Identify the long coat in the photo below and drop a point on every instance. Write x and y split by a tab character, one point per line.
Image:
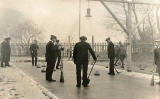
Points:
111	50
80	52
51	51
122	52
157	58
33	49
5	51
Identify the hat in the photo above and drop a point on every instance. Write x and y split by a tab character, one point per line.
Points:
83	38
108	38
8	38
157	40
53	37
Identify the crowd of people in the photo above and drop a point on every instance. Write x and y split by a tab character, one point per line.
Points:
80	56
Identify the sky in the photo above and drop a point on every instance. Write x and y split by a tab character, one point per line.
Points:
60	18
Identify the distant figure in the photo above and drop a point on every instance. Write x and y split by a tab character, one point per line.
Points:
111	56
80	57
33	49
117	54
51	55
5	52
157	58
58	54
70	53
122	54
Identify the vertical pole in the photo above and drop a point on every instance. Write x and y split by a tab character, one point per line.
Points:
69	39
129	28
79	19
93	42
92	39
69	43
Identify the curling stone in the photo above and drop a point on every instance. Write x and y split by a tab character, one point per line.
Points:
43	70
97	73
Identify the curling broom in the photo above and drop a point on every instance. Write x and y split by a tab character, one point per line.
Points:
61	68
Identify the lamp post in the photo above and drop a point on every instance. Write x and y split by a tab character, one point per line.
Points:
79	32
129	28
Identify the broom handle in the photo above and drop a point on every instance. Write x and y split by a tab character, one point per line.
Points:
91	69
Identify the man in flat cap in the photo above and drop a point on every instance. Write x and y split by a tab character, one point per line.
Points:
51	55
5	52
80	57
111	56
34	49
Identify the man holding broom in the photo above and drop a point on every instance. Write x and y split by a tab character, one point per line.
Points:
157	57
80	57
51	56
111	56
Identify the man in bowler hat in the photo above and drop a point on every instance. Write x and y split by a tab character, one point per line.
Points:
111	56
51	55
5	52
80	57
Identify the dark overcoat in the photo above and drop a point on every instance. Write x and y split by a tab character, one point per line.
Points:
5	51
51	51
111	50
80	52
33	49
157	58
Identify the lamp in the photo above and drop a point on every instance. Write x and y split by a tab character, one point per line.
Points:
88	12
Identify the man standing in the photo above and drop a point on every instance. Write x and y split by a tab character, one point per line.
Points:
80	57
122	54
51	55
157	57
117	52
58	55
5	52
33	49
111	56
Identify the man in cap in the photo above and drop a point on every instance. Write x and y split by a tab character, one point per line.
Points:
5	52
51	55
111	56
80	57
157	56
122	54
33	49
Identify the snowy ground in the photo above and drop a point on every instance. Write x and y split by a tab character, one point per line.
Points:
13	85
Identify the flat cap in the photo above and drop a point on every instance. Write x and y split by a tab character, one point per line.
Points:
53	37
83	38
108	38
8	38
